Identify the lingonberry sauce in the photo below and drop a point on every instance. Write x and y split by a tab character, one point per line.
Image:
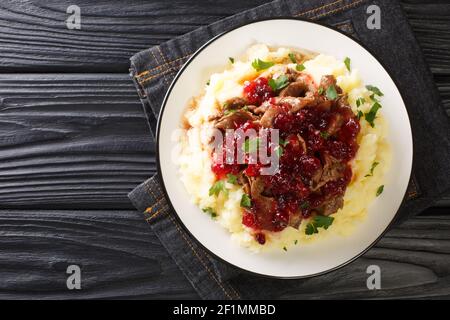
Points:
258	91
310	135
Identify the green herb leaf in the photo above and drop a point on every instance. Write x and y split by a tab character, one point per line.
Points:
324	134
231	59
279	83
259	64
284	142
320	91
250	145
246	202
231	178
217	187
375	90
300	67
360	101
292	57
331	93
318	222
310	229
229	111
347	63
371	169
371	115
360	114
208	83
380	190
323	221
296	241
279	151
284	248
210	211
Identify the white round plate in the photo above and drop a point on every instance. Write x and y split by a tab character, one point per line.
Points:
321	256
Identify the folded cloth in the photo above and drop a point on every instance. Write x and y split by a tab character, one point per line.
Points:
394	45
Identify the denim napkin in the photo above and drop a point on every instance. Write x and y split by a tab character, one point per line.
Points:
152	71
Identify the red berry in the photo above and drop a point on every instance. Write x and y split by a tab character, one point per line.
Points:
261	238
248	219
258	91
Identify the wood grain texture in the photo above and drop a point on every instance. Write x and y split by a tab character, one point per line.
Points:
70	140
73	137
34	36
112	31
121	258
118	255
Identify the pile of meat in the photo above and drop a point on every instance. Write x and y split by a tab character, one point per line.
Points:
318	130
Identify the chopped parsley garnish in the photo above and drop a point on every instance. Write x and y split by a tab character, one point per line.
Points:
231	178
371	169
380	190
375	90
231	59
371	115
207	83
217	187
259	64
360	114
279	151
229	111
300	67
250	145
360	101
296	241
292	57
304	205
246	202
320	91
318	222
331	93
324	134
279	83
210	211
347	63
284	248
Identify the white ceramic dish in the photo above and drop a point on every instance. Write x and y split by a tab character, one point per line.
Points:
321	256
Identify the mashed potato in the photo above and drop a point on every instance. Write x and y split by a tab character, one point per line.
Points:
195	162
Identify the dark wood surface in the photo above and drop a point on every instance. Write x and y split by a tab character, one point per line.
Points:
74	142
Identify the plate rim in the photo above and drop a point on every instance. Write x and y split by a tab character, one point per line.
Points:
161	179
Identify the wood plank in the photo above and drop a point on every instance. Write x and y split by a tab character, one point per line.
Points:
34	36
118	255
71	141
121	258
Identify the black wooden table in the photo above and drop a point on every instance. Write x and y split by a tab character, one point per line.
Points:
74	142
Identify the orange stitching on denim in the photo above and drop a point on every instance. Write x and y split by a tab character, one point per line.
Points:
154	215
317	9
343	25
150	209
350	5
142	74
162	66
154	56
165	61
188	242
171	69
